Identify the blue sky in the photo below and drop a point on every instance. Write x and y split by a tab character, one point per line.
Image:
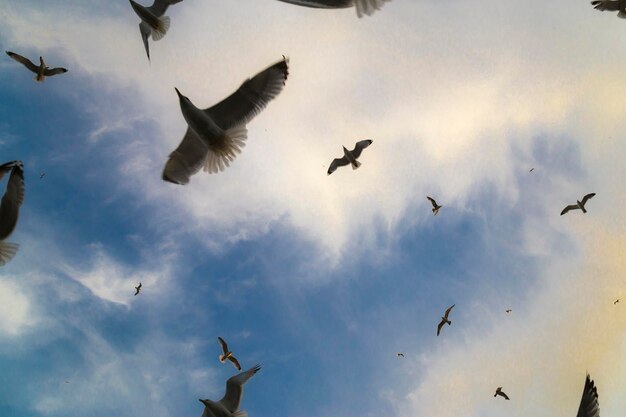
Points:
321	279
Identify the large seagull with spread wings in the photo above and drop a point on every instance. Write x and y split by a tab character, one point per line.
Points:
611	6
229	405
579	204
42	71
10	208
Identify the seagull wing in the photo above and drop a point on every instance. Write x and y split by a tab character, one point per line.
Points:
54	71
448	311
589	406
322	4
368	6
441	323
606	5
251	97
234	388
235	362
432	201
587	197
24	61
6	168
568	208
159	7
145	31
506	397
337	162
223	345
358	148
11	201
186	160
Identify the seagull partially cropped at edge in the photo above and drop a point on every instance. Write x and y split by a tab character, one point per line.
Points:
589	406
501	393
227	354
9	207
228	406
363	7
216	135
41	70
436	206
153	22
444	319
349	157
611	6
579	204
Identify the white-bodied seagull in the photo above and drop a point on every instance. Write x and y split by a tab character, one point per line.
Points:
228	406
41	70
579	204
349	157
153	22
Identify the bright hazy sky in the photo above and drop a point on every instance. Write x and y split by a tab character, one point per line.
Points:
322	279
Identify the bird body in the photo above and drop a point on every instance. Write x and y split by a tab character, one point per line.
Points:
611	6
349	157
501	393
227	354
41	71
217	134
579	204
153	23
9	207
436	206
363	7
228	406
444	319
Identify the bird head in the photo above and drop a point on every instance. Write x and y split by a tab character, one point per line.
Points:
183	100
207	403
43	64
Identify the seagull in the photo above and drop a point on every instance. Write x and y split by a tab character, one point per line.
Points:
531	170
444	319
509	310
349	157
589	406
216	135
611	6
501	393
228	406
41	70
578	205
138	288
400	354
362	6
228	354
153	22
436	206
43	174
616	301
9	208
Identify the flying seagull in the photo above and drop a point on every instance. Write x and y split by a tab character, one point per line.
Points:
9	207
400	354
531	170
578	205
508	310
349	157
589	406
153	22
228	354
228	406
616	301
43	174
444	319
362	6
138	288
41	70
611	6
501	393
436	206
216	135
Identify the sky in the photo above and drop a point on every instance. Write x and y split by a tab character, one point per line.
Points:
321	279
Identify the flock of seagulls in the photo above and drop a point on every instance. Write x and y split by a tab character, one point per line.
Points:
213	139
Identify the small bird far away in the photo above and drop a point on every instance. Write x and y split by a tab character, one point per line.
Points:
501	393
228	354
41	70
400	354
508	310
436	206
138	288
579	204
349	157
616	301
531	170
444	319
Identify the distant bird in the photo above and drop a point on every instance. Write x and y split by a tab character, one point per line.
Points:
501	393
138	288
43	174
349	157
509	310
41	70
436	206
531	170
9	207
589	406
228	406
153	22
611	6
616	301
444	319
216	135
228	354
362	6
400	354
578	205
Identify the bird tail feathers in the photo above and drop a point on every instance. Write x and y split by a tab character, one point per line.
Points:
7	251
39	78
234	140
222	358
161	29
356	164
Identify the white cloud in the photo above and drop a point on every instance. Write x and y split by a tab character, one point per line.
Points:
15	309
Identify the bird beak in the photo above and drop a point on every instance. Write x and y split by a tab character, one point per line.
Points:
202	401
177	92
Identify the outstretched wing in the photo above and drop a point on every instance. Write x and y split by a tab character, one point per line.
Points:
587	197
251	97
432	201
223	345
589	406
568	208
322	4
506	397
24	61
186	160
234	388
235	362
358	148
441	323
337	162
11	201
448	311
368	6
54	71
6	167
159	7
606	5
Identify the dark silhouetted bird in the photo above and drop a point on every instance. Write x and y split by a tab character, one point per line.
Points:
611	6
138	288
444	319
10	207
41	70
579	204
349	157
501	393
616	301
228	354
400	354
436	206
589	406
